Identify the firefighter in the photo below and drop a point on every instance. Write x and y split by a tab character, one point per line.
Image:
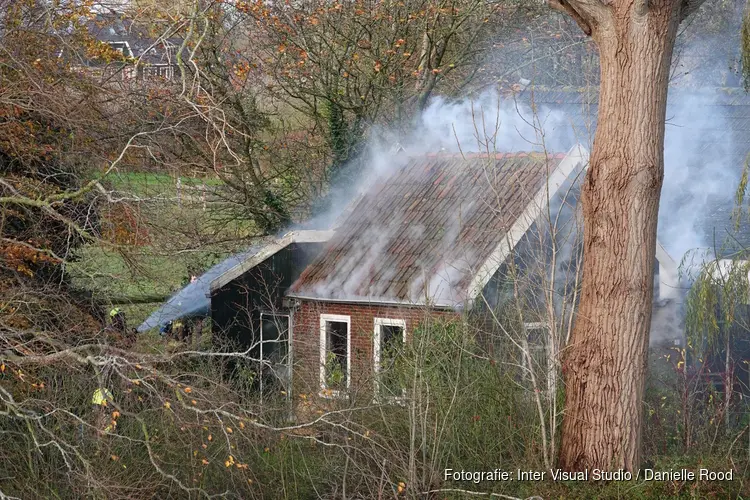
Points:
178	329
187	332
101	400
166	330
117	318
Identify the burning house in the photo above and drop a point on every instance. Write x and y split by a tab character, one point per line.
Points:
433	234
428	239
425	241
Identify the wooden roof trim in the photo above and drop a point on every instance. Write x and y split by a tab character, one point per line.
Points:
302	236
577	156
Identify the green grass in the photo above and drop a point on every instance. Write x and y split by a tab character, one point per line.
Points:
182	239
149	183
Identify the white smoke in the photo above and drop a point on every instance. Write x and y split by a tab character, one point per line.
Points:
487	124
700	174
696	177
490	124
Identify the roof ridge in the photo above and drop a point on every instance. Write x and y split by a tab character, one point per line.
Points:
496	155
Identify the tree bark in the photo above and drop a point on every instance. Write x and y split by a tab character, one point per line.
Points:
604	366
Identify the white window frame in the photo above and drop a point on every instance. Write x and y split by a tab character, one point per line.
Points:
121	50
379	323
334	318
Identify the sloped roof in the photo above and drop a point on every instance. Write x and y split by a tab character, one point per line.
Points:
707	143
193	299
274	245
141	39
423	232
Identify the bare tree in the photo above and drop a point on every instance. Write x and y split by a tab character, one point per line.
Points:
346	66
605	365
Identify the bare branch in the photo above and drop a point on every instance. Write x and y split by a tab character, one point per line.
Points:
566	8
689	7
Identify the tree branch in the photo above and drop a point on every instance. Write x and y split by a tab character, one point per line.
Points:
564	7
688	7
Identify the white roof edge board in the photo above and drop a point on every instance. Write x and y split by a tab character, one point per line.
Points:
301	236
576	156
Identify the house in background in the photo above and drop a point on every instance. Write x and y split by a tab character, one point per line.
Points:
150	55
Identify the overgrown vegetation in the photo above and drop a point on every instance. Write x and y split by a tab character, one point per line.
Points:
182	432
114	193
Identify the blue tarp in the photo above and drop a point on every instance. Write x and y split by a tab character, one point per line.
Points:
193	300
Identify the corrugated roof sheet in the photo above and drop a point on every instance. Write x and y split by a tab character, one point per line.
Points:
193	299
425	228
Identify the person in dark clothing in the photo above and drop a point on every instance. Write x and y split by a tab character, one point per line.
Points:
186	335
180	330
166	330
117	318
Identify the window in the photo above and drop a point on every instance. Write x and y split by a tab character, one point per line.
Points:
335	353
121	47
128	73
389	339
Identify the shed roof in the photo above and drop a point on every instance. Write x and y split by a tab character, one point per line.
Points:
193	299
249	260
424	233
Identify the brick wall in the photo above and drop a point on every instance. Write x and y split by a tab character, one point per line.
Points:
306	339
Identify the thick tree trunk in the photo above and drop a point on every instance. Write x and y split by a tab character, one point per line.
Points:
605	364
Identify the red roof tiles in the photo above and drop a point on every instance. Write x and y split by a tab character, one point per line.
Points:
426	229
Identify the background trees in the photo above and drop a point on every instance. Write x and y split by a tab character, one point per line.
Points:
114	192
346	67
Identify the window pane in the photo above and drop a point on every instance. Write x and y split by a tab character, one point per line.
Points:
336	354
391	346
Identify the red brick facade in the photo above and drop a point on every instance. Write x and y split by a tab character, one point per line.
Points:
306	339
